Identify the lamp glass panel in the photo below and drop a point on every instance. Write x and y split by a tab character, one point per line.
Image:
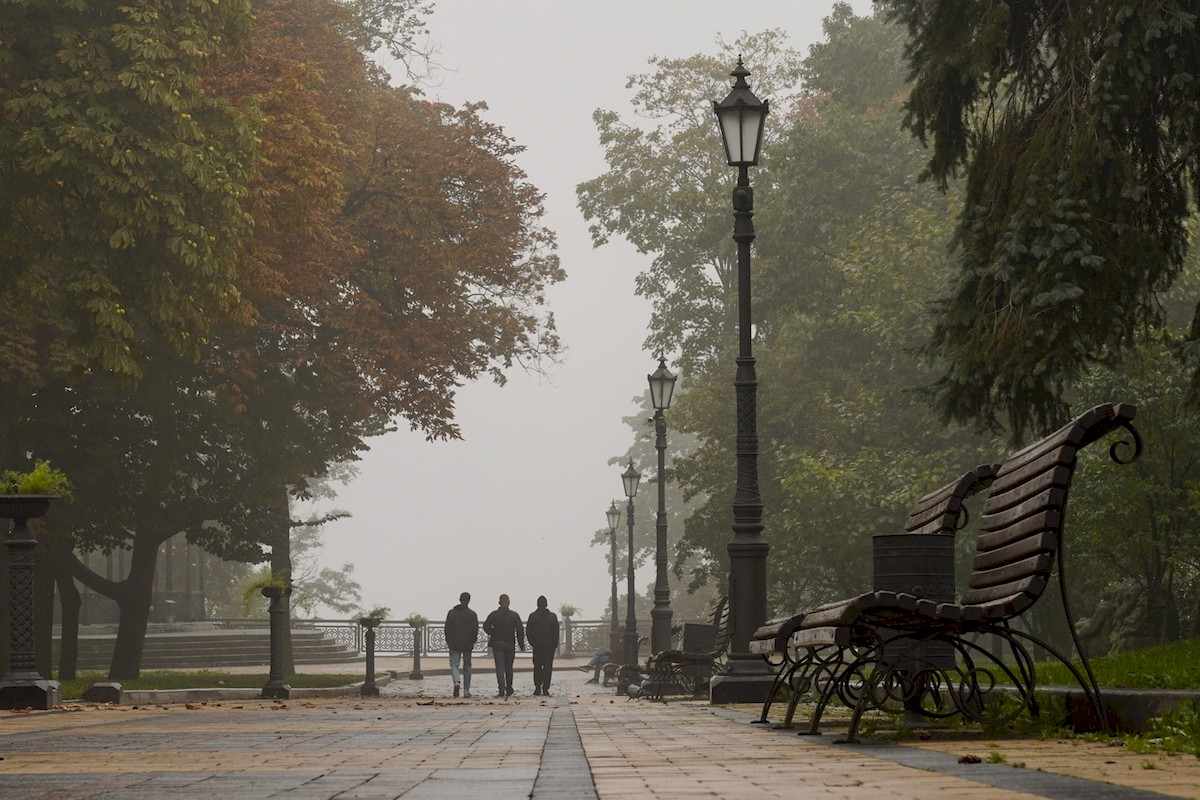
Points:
751	125
630	478
731	133
614	516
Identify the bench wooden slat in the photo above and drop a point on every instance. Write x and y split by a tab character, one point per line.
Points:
1058	476
1016	551
939	520
1000	608
826	636
940	510
1012	571
1063	455
1053	499
990	595
1030	526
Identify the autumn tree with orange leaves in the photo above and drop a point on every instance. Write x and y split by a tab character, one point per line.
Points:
396	253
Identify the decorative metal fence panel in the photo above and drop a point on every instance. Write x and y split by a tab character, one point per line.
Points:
346	633
577	637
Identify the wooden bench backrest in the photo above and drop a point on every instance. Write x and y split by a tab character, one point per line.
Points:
943	510
721	618
1021	524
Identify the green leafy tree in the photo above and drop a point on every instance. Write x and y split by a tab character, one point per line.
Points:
1138	524
666	188
1074	123
850	247
123	182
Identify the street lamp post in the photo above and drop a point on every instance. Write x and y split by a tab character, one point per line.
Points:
662	386
630	478
741	116
614	519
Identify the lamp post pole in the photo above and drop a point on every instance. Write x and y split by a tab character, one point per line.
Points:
614	518
630	478
741	116
662	385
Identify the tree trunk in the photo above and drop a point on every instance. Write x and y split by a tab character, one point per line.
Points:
69	602
134	601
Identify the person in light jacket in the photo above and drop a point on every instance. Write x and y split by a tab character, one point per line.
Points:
542	630
462	632
504	630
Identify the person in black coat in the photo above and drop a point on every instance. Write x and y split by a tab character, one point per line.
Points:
462	632
503	627
542	630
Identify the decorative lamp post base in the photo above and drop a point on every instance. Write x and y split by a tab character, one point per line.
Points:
275	688
277	691
740	688
35	693
369	688
416	674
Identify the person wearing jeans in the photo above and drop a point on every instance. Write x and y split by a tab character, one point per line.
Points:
504	630
462	632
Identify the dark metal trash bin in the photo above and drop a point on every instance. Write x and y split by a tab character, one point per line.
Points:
698	637
921	564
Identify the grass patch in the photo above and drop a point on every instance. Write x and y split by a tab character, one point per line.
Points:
203	679
1168	666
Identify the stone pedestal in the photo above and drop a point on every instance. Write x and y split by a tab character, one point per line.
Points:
739	688
35	693
103	693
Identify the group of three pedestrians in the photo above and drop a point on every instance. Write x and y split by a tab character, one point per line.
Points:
505	633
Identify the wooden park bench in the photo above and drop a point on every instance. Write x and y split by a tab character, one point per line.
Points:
680	672
942	512
866	651
675	671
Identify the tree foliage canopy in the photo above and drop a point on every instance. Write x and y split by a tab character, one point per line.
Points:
1076	125
121	212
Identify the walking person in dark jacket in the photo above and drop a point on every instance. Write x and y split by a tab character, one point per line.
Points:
503	627
462	632
542	629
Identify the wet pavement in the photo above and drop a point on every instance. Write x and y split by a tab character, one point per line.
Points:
416	741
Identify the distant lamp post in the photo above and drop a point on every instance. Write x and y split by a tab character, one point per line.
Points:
741	116
614	519
662	386
630	478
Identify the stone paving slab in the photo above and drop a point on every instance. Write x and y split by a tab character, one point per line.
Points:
581	743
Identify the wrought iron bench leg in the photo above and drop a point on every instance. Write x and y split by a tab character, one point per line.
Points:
782	676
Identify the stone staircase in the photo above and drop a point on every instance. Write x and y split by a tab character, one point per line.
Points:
212	649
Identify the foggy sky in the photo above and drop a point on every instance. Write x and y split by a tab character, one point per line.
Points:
513	507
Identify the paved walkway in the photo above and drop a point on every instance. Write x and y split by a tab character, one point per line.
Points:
416	742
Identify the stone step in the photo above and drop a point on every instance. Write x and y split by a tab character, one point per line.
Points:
213	649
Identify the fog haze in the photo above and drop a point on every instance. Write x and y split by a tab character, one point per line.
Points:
514	505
